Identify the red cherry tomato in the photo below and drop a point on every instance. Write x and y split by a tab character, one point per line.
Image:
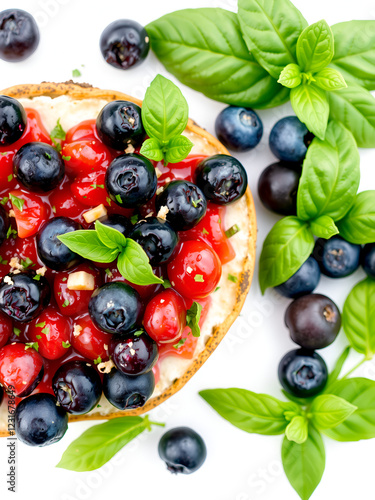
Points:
32	214
89	340
90	189
185	169
7	180
82	131
6	329
35	131
65	204
196	270
85	157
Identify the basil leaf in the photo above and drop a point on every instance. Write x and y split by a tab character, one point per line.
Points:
290	76
304	463
270	29
358	317
329	411
334	375
87	244
358	226
355	51
360	392
329	79
286	247
193	315
315	47
110	237
134	265
218	65
251	412
310	104
151	149
178	149
297	430
354	106
324	227
330	175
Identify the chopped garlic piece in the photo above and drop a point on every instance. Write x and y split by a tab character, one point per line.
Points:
77	329
130	148
159	190
95	214
106	366
8	280
81	281
162	214
42	271
15	263
11	213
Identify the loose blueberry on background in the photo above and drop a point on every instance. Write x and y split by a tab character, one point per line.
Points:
39	421
13	120
240	129
4	225
314	321
183	450
303	373
304	281
277	187
368	259
124	44
337	257
118	222
222	179
19	35
126	392
289	139
134	355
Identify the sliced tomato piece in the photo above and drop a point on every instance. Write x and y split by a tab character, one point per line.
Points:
82	131
85	156
90	189
30	212
89	340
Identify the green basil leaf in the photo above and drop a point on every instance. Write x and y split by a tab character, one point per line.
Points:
329	411
310	104
58	132
360	392
151	149
17	203
270	29
334	375
315	47
178	149
354	106
110	237
324	227
330	175
295	399
355	51
219	65
134	265
193	315
251	412
358	226
330	79
287	246
298	429
290	76
87	244
358	317
304	463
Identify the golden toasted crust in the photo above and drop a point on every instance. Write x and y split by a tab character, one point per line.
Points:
85	91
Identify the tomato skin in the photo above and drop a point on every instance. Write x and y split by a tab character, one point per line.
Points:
90	189
65	204
34	213
85	130
90	341
144	291
85	156
6	329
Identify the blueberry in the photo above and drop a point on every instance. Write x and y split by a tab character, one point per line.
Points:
19	35
134	354
39	421
119	125
52	252
4	225
118	222
222	179
124	44
38	166
337	257
277	188
183	450
131	180
186	204
303	373
240	129
22	297
304	281
127	392
314	321
1	395
77	387
13	120
157	238
368	259
115	307
289	139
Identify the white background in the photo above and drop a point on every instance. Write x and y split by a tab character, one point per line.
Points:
239	466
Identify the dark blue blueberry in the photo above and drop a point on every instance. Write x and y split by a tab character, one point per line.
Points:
337	257
222	179
115	307
52	252
289	139
1	395
240	129
368	259
39	421
183	450
13	120
126	392
19	35
131	180
157	238
303	373
118	222
304	281
119	125
38	167
124	44
22	297
4	225
134	354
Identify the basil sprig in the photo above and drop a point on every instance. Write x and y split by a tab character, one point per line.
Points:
105	244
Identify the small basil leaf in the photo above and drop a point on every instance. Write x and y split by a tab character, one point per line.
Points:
17	203
329	411
109	236
310	104
329	79
193	315
358	225
304	463
87	244
295	399
134	265
297	430
151	149
251	412
324	227
177	149
286	247
290	76
315	47
334	375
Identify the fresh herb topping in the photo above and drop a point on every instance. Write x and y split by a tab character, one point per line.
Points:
58	134
4	201
193	316
16	331
32	345
232	231
66	303
47	155
232	277
41	325
66	345
98	360
134	218
11	232
76	73
45	330
10	177
2	261
199	278
17	203
204	231
66	158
